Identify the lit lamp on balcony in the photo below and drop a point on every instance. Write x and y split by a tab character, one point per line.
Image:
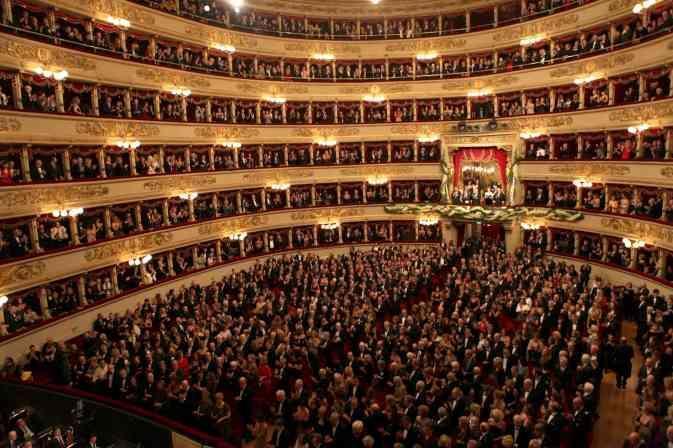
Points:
280	186
428	220
530	226
588	78
128	144
427	138
3	301
478	93
137	261
374	2
225	48
531	40
374	96
230	144
275	99
323	56
118	22
332	225
377	180
427	56
638	129
633	244
237	5
237	236
57	75
582	183
180	91
328	142
64	213
188	195
641	7
525	135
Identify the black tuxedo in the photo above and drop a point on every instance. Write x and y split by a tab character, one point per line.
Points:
521	437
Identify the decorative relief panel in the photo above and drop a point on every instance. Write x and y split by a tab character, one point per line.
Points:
599	64
178	184
311	48
116	129
427	45
529	29
280	174
377	171
46	56
326	131
52	196
131	247
255	88
21	273
541	122
667	172
9	124
224	132
421	129
479	139
621	4
476	84
327	214
590	170
164	77
120	9
221	37
642	230
643	113
233	225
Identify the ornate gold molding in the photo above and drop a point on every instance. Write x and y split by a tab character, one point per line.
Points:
427	45
255	88
9	124
590	170
311	48
279	174
178	184
348	131
120	9
233	225
541	122
667	172
327	214
421	129
618	5
159	76
475	84
386	89
377	171
643	113
225	132
116	129
47	197
21	273
131	247
479	139
529	29
642	230
221	37
47	56
599	64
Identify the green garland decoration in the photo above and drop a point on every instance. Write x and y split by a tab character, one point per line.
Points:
490	214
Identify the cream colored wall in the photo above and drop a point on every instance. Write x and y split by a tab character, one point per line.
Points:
78	323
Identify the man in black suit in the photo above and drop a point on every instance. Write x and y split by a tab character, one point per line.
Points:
554	424
336	434
520	434
244	399
580	424
93	442
280	437
622	362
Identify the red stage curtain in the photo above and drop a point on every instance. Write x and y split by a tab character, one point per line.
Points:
479	155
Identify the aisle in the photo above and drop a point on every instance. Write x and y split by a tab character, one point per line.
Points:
617	407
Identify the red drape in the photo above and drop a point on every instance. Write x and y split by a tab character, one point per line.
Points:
480	155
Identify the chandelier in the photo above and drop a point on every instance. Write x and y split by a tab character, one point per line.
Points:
427	56
428	220
323	56
230	144
275	99
374	96
137	261
226	48
530	226
531	40
57	75
642	6
588	78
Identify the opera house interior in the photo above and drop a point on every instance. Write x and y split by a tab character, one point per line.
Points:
359	224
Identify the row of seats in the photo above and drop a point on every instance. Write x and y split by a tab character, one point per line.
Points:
58	28
64	296
35	163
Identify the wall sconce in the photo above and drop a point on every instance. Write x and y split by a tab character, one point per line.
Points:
582	183
181	91
128	144
137	261
428	220
323	56
588	78
427	138
477	93
237	5
377	180
642	6
525	135
64	213
3	301
58	75
530	226
375	2
280	186
230	144
237	236
374	96
427	56
325	141
633	244
638	129
189	195
118	22
531	40
226	48
274	99
330	225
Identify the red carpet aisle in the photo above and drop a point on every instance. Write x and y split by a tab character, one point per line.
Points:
617	407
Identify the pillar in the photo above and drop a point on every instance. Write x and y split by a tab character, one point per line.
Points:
513	236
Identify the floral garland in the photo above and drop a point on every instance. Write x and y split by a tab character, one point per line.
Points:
490	214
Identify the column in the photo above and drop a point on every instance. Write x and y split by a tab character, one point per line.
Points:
315	236
190	205
138	215
95	107
639	146
661	264
580	146
576	245
340	232
60	107
114	277
513	236
209	111
365	228
169	264
611	92
81	290
634	258
669	143
604	243
74	235
107	218
7	18
25	164
241	247
44	303
164	210
449	233
290	244
582	96
610	146
549	240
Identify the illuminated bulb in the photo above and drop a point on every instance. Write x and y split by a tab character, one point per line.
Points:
3	301
206	8
428	138
323	56
635	244
238	236
581	183
480	92
128	144
428	220
280	186
638	129
237	5
525	135
118	22
530	226
531	40
187	196
327	142
329	226
638	8
377	180
146	259
231	145
427	56
227	48
181	91
375	2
